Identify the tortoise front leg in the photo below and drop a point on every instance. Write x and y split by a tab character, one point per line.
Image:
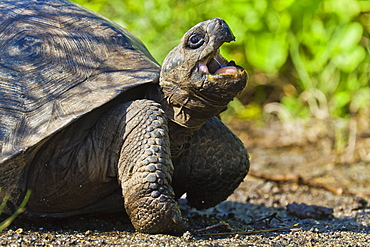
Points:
212	165
145	170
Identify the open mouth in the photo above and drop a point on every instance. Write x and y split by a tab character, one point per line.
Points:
216	66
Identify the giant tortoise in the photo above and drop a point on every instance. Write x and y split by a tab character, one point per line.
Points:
90	123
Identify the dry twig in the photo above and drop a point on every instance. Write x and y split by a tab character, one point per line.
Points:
306	181
213	226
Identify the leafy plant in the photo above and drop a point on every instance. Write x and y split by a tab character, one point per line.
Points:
310	56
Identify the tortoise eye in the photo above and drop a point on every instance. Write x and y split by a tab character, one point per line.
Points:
195	41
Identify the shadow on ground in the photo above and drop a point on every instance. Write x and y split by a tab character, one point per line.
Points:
277	152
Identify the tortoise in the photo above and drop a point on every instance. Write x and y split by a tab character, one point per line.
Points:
91	123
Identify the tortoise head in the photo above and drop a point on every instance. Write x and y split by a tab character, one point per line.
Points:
197	82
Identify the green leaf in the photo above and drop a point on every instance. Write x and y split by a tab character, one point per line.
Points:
349	61
351	36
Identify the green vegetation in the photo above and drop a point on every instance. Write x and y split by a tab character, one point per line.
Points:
311	57
20	210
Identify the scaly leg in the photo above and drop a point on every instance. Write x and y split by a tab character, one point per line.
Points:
145	170
79	168
211	166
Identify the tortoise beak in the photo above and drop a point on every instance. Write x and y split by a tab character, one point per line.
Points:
229	36
221	30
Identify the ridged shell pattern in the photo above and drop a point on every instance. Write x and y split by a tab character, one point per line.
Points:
59	61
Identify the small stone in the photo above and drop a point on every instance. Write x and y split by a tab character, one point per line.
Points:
187	236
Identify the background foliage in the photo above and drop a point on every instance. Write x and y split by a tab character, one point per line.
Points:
305	58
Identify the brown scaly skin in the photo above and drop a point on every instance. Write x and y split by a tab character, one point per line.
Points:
192	96
154	148
189	97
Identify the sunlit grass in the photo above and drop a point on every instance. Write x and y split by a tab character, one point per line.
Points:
4	224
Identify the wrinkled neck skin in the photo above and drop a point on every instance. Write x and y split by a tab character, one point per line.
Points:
187	108
179	133
185	115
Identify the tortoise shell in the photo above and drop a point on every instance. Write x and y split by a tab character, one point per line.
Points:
59	62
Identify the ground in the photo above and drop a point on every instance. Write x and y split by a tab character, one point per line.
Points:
290	163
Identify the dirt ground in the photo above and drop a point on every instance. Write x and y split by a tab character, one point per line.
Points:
290	163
